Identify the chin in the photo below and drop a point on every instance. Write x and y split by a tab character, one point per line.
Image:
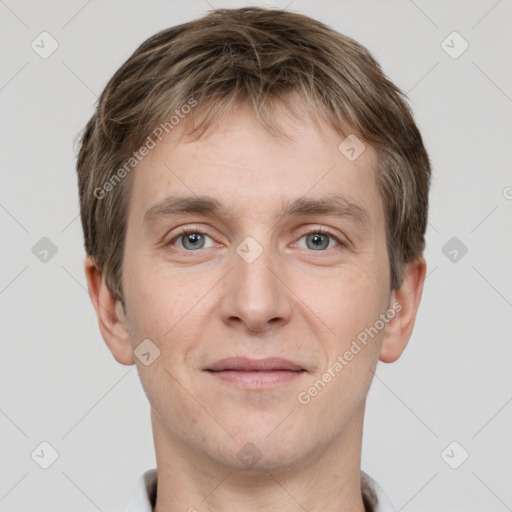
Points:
265	450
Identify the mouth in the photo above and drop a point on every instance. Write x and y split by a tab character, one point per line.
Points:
255	373
253	365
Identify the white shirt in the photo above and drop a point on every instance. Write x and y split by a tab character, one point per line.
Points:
144	495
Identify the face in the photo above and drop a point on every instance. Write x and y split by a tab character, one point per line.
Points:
283	258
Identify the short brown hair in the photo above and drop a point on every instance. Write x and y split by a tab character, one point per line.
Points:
266	58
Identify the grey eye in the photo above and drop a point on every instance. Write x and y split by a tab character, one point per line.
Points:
193	241
317	241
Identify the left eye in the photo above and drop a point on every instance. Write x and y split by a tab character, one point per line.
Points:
320	240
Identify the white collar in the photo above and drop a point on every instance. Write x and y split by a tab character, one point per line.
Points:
144	493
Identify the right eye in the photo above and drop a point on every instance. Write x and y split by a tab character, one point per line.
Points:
190	239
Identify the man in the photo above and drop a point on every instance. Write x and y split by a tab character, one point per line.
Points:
254	196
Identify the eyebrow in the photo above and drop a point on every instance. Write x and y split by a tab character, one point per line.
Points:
335	204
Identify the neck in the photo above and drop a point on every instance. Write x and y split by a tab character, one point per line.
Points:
328	480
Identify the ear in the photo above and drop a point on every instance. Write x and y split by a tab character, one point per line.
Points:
111	317
405	301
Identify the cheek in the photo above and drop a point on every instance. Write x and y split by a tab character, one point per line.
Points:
351	351
152	296
345	302
171	310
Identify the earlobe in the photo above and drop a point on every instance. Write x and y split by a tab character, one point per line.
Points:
405	301
110	314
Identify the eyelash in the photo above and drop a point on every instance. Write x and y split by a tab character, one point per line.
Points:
194	229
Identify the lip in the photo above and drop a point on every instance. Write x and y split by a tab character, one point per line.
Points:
246	364
255	373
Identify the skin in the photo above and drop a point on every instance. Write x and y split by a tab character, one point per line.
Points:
295	302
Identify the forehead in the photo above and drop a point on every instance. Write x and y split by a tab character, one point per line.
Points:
249	170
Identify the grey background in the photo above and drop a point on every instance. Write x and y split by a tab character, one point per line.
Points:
60	384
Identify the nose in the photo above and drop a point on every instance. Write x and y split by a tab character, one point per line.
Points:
256	297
